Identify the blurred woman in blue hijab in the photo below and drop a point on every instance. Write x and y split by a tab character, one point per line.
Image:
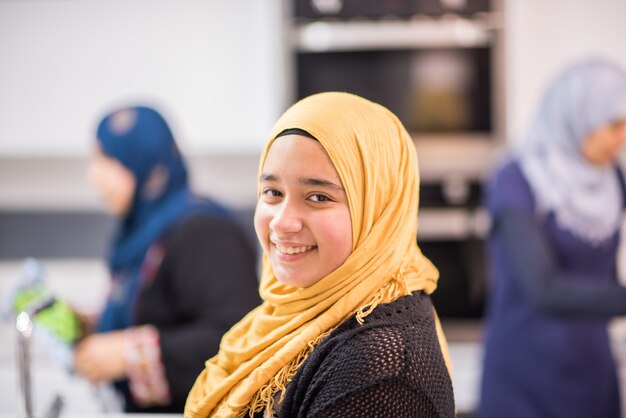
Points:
182	270
557	206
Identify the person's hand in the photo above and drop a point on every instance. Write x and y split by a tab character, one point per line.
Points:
88	321
100	357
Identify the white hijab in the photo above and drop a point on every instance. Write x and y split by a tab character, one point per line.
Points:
586	199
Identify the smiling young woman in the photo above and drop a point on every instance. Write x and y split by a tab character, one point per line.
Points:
302	218
346	328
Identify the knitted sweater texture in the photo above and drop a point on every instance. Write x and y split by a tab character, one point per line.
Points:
389	367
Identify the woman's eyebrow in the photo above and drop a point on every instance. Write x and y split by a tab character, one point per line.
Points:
268	177
310	181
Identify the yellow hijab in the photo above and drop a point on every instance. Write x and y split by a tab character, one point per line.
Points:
377	163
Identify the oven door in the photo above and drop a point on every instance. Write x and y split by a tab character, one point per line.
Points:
431	90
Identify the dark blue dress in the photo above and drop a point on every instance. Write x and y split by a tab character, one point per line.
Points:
543	362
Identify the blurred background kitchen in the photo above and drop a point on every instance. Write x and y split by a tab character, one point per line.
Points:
463	75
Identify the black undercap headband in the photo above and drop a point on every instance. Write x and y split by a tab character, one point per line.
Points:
295	131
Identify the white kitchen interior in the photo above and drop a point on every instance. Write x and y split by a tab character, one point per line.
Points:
222	72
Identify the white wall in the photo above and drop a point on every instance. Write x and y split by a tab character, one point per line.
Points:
218	69
543	36
215	67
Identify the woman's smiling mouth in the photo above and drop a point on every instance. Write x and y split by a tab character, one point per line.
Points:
283	249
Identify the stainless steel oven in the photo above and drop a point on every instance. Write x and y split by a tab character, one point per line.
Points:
437	64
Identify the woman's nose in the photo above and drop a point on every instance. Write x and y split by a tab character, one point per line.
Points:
286	219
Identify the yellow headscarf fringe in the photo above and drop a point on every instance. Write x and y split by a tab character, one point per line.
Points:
392	290
265	396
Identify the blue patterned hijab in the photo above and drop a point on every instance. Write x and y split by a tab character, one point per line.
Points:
586	199
140	139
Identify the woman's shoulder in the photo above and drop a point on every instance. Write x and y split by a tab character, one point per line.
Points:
508	188
395	340
197	233
203	226
396	349
507	175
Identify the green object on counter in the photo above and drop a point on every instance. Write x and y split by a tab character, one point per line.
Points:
58	319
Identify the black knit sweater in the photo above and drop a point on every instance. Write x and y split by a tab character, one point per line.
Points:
389	367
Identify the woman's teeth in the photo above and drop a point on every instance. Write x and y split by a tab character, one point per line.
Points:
294	250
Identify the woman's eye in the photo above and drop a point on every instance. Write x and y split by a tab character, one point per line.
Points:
319	198
271	193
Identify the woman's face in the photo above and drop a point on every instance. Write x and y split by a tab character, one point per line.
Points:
114	182
302	217
602	146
